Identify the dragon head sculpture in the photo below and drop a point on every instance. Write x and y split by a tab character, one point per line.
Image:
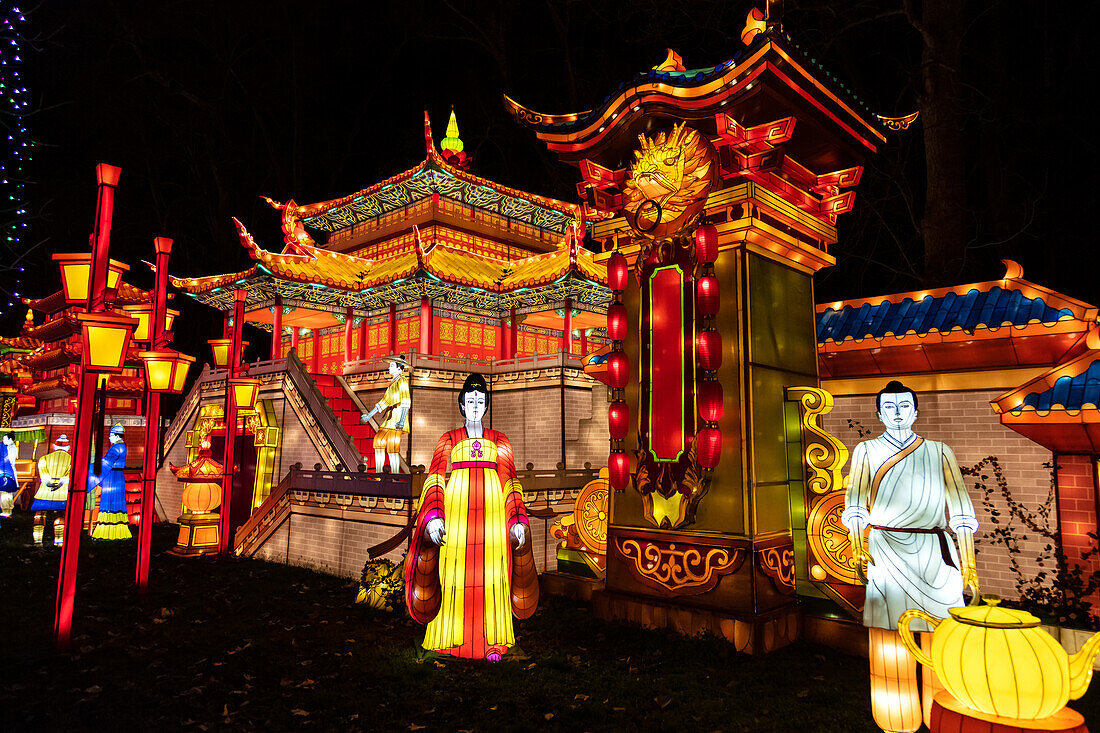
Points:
669	181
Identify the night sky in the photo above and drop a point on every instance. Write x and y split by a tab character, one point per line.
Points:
208	105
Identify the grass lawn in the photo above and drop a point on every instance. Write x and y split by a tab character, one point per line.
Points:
252	645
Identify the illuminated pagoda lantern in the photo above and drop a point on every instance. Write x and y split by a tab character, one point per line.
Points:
714	193
202	494
44	363
448	270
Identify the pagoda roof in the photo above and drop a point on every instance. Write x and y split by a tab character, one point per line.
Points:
1060	408
366	283
1006	322
697	95
127	295
433	175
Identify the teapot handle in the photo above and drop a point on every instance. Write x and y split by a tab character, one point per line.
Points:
907	635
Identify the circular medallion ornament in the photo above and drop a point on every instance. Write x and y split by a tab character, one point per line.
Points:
829	541
670	178
591	516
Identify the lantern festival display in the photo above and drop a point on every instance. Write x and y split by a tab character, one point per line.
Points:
467	588
997	661
712	230
202	494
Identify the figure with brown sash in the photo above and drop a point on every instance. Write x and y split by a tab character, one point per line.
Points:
907	491
470	568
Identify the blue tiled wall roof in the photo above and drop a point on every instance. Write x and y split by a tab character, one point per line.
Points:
1070	393
994	307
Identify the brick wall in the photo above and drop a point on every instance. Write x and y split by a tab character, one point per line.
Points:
1077	511
966	422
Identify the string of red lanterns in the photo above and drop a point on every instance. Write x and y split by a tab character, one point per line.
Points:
708	347
618	372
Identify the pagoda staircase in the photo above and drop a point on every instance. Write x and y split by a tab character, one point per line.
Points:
349	409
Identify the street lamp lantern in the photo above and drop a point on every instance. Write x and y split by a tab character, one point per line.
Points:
221	349
165	371
76	273
144	314
106	339
245	392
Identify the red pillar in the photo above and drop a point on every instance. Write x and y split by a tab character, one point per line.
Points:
363	339
513	335
277	328
567	334
348	318
426	341
163	247
225	325
317	342
294	341
502	342
393	328
584	342
225	526
1078	507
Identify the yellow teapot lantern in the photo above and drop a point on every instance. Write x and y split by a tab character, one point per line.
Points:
998	661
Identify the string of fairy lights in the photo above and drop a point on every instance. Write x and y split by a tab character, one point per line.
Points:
15	152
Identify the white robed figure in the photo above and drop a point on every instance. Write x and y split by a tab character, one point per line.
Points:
908	491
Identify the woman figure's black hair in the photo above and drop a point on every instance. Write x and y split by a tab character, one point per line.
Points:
474	383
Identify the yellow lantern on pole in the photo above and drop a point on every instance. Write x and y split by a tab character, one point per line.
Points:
76	273
220	349
245	392
166	371
106	339
144	315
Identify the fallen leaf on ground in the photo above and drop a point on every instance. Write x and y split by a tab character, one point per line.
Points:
803	693
299	711
580	697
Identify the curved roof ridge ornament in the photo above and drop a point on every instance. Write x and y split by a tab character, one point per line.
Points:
1013	270
429	146
755	23
294	232
897	124
672	62
524	115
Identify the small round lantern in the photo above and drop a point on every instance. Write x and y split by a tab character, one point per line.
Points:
618	369
709	347
708	447
618	417
706	243
709	394
618	470
617	271
707	295
616	322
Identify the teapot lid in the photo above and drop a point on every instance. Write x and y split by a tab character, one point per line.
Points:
992	616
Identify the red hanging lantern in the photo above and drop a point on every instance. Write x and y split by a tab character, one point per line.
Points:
618	369
618	470
706	243
618	416
617	271
616	322
708	447
707	295
709	347
709	395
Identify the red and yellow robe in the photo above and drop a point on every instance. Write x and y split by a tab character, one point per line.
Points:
468	590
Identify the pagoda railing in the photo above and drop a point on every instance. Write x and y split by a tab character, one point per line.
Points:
466	364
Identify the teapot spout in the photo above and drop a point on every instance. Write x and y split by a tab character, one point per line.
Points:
1080	667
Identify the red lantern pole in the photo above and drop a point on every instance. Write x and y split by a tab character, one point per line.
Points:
106	178
567	335
163	247
225	544
277	329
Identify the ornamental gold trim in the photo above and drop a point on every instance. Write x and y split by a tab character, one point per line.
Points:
683	570
778	564
823	454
